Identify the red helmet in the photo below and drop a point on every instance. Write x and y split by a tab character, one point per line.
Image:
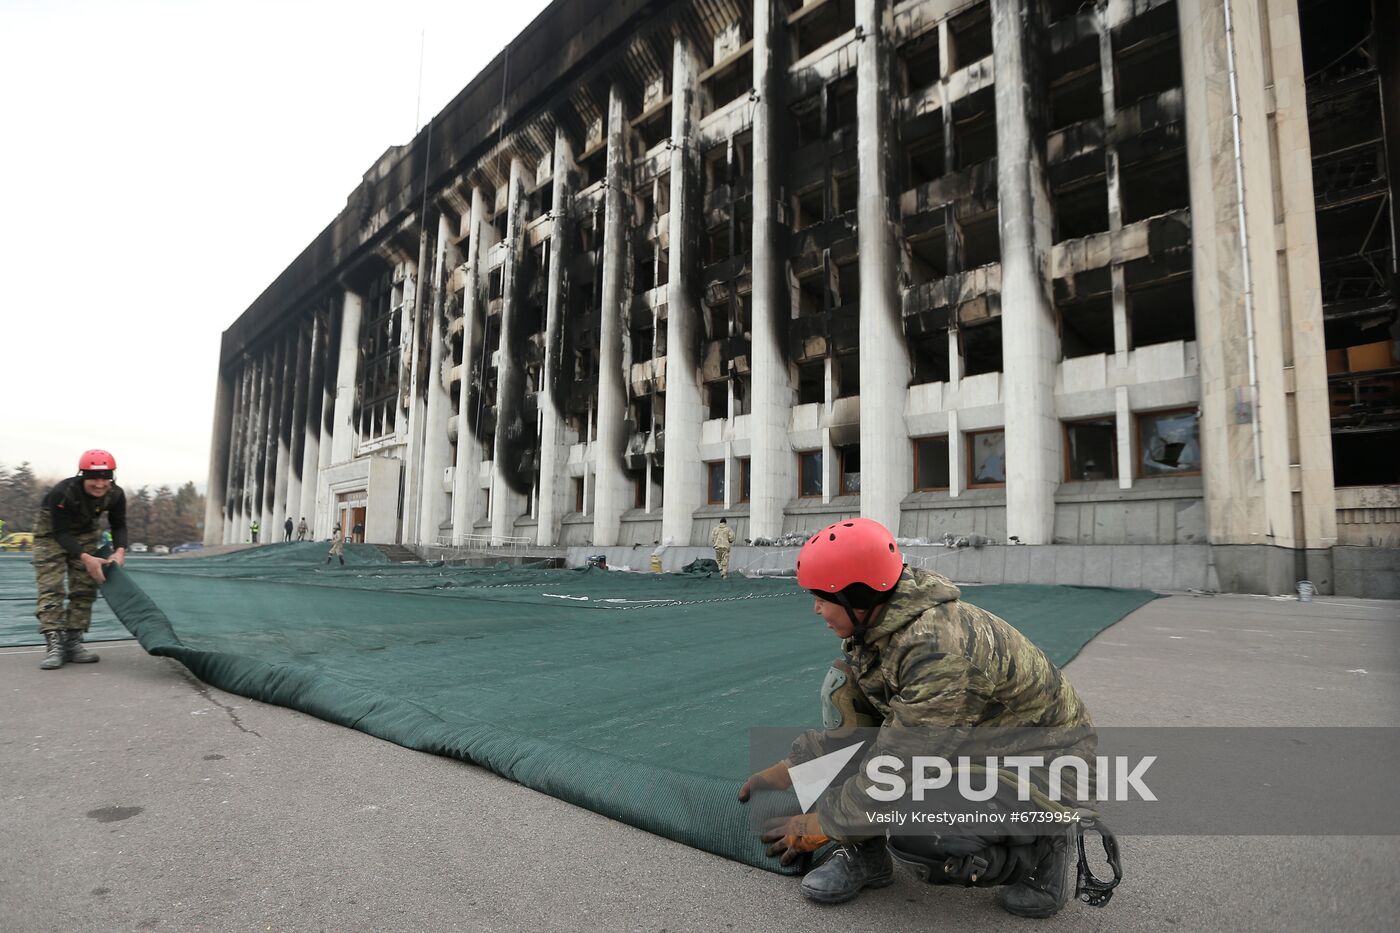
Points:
96	461
857	550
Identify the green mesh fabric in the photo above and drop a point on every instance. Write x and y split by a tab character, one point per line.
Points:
18	625
629	694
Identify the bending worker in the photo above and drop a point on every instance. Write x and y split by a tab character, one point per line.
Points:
66	539
919	662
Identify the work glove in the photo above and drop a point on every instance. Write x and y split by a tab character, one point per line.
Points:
774	777
791	837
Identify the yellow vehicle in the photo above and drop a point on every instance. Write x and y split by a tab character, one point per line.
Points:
17	541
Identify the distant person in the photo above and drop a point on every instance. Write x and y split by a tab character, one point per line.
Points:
721	540
66	539
287	530
301	529
359	532
337	545
253	529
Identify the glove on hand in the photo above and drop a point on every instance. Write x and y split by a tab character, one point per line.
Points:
794	836
775	777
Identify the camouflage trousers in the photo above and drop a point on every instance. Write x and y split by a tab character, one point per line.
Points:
722	558
53	568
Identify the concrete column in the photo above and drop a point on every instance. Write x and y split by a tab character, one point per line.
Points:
611	497
1030	345
297	444
257	444
956	459
1248	497
433	508
311	424
887	458
218	459
343	436
283	431
553	483
683	485
409	426
772	479
233	489
330	376
275	381
464	486
1124	423
247	456
510	493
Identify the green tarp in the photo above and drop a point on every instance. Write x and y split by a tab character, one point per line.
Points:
629	694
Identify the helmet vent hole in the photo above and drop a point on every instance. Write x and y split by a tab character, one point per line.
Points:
849	525
833	537
891	547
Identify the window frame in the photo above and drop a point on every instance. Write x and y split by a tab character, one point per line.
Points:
1139	469
842	472
971	440
710	466
1069	476
802	455
947	467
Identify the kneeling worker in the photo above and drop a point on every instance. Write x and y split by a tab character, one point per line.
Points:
66	537
919	660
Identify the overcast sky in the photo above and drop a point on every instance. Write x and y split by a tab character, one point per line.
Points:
160	164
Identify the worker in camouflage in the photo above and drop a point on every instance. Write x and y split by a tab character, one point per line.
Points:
922	665
722	539
66	565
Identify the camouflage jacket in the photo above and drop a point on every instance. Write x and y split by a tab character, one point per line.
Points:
67	512
932	668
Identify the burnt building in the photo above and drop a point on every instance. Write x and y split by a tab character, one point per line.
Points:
1061	272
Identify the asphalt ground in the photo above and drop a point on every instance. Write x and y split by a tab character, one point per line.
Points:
137	798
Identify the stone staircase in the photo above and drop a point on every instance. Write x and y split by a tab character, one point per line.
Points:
397	553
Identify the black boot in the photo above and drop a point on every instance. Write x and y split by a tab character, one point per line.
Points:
53	656
1050	884
74	651
848	869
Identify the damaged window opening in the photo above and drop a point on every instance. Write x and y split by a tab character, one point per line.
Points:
728	83
717	244
1077	97
1091	450
970	35
746	314
1059	9
593	166
1081	208
714	482
641	414
811	382
981	240
1366	458
919	63
928	256
644	273
542	201
844	191
1086	327
809	474
741	393
655	128
1151	65
807	121
742	163
744	465
587	238
930	463
848	375
808	207
924	158
1161	312
1146	189
814	24
1169	443
850	470
578	494
975	129
717	399
717	317
716	168
811	293
641	344
981	347
841	104
845	289
929	354
493	284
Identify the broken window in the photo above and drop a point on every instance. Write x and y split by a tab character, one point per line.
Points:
813	25
928	256
1169	443
717	247
981	240
811	382
975	128
845	289
929	354
653	127
848	375
729	81
744	464
844	189
1146	56
1086	327
1161	312
986	458
924	157
970	36
930	463
811	293
1081	208
1076	87
981	347
918	62
644	271
716	160
1364	457
717	398
1146	189
1091	450
809	474
841	104
714	482
808	207
807	120
850	470
641	414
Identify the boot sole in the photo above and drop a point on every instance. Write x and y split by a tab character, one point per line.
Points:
822	898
